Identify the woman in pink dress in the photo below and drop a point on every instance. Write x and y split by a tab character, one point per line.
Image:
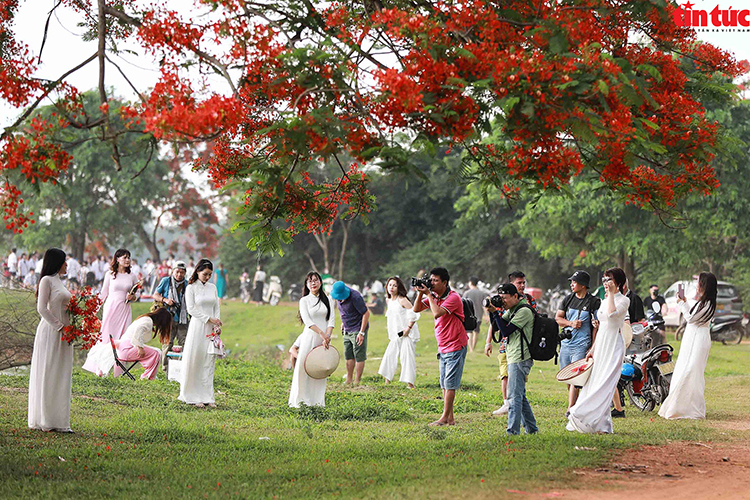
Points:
116	315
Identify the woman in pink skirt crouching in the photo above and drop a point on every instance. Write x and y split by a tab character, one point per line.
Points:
132	346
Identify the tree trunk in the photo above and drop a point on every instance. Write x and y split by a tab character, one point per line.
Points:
627	264
312	262
78	237
344	240
149	243
323	241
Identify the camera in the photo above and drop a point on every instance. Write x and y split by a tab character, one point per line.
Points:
424	281
495	301
566	333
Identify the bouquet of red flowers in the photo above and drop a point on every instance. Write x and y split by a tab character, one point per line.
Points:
85	327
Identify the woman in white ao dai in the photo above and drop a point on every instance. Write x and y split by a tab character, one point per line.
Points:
318	316
202	301
591	413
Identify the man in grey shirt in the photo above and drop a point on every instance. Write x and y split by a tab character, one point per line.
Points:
476	296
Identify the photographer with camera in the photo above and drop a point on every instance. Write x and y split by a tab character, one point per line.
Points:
518	279
170	293
577	317
436	295
517	320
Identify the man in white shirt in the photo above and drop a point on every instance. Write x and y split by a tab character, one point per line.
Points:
39	265
135	269
31	279
99	268
13	266
23	267
74	267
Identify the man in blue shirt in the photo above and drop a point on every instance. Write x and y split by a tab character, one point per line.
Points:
171	293
355	317
577	315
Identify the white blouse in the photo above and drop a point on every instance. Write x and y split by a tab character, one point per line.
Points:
202	302
398	318
699	317
140	332
313	312
52	302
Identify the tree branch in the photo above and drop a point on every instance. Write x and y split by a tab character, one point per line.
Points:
50	87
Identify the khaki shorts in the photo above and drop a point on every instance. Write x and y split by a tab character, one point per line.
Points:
352	350
503	360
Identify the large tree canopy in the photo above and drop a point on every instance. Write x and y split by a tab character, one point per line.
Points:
592	86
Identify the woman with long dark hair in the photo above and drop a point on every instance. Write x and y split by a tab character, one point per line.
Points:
51	380
591	412
316	313
202	301
116	312
403	334
686	392
132	346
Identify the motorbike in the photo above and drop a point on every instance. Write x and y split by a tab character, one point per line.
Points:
644	334
294	293
728	329
272	291
646	377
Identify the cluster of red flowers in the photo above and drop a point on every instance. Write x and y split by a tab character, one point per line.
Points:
565	88
85	327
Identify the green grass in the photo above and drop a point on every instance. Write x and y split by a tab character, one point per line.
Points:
135	438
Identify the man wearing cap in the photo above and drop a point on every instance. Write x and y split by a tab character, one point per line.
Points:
577	316
355	317
171	292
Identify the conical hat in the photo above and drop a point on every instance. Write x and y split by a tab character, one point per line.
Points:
627	334
576	373
322	362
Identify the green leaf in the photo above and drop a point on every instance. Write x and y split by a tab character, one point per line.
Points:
649	123
651	70
565	85
603	87
558	43
528	108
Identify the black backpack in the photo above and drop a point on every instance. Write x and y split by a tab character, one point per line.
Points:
470	319
545	338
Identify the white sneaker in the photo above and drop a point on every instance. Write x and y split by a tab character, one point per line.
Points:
503	410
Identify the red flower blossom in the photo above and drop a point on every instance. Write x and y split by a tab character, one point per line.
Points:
85	327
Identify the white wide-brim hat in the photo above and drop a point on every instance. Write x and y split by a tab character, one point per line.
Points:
576	373
320	363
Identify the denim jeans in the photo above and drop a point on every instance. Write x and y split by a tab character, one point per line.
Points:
452	368
520	409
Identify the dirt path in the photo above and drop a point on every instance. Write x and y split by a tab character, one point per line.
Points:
681	470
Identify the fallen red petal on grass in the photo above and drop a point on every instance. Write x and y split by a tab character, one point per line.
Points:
482	480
